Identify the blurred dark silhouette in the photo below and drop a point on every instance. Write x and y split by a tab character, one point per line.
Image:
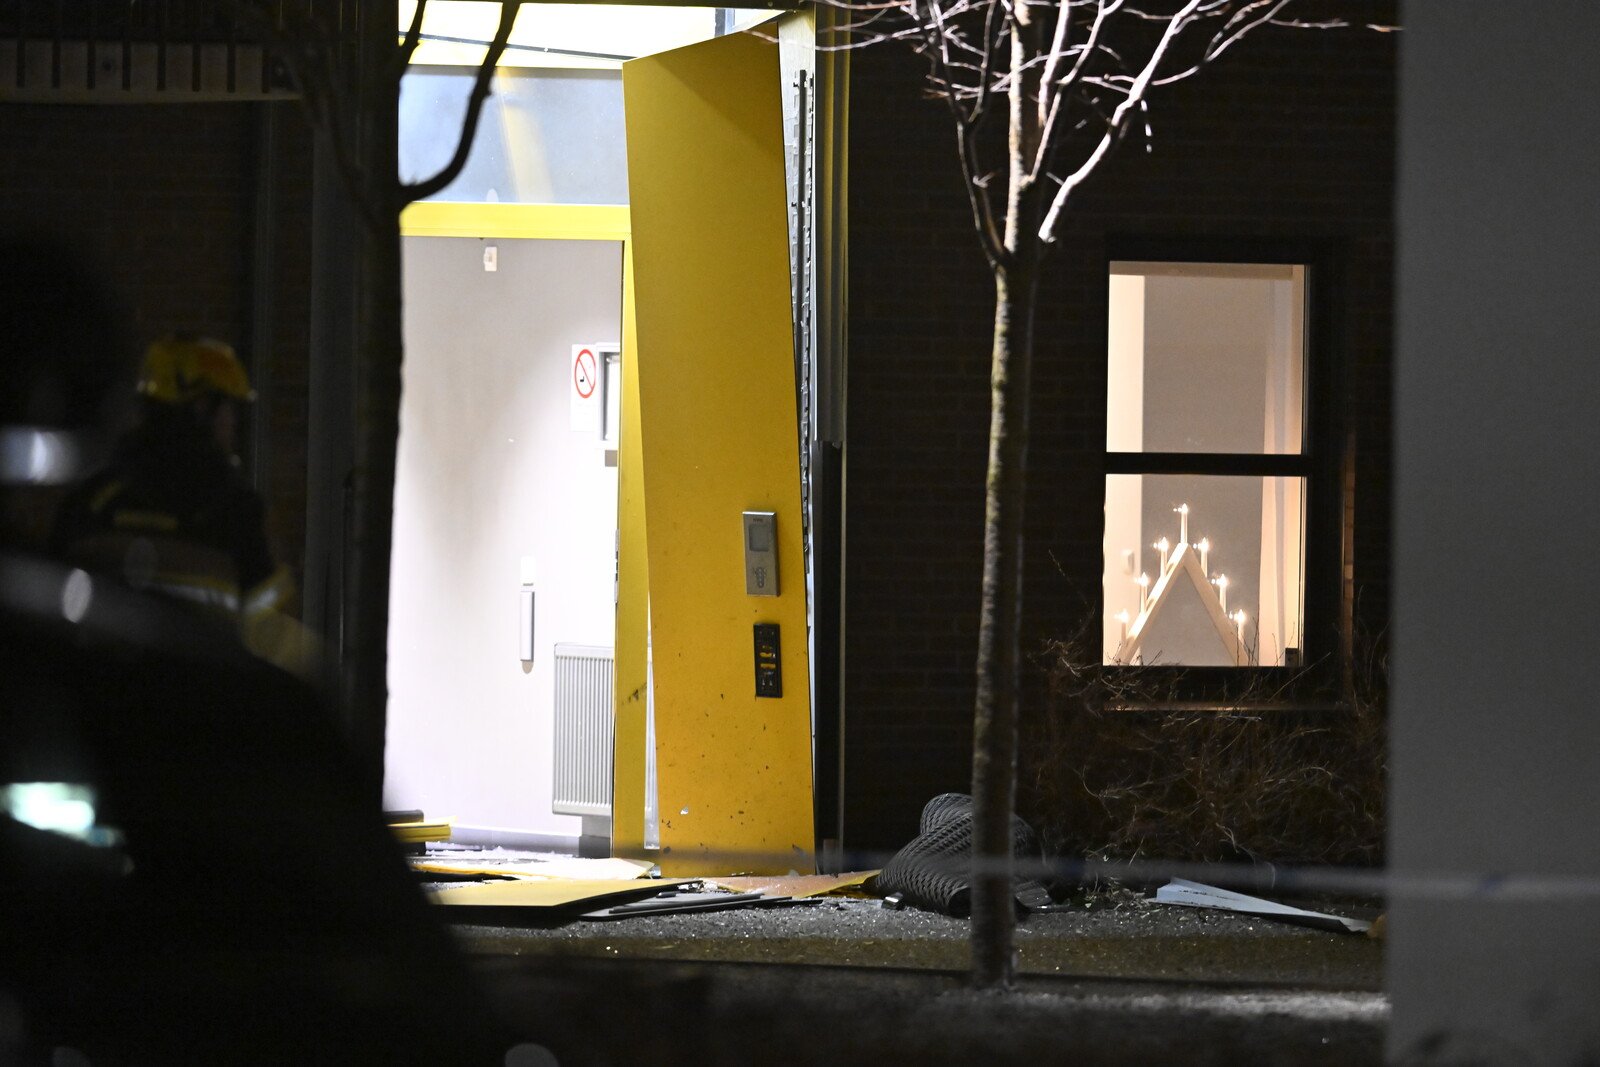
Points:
190	869
170	512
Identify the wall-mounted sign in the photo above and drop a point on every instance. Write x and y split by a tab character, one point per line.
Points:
584	389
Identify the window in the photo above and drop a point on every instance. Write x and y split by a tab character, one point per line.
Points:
1206	461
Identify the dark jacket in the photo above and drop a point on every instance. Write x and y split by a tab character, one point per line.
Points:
170	514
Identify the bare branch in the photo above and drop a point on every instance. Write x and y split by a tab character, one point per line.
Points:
421	190
983	215
1119	117
1048	95
978	197
993	31
303	42
413	38
1249	18
1050	137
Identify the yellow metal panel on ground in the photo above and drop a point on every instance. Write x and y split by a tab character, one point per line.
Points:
715	368
550	222
547	892
796	885
631	689
569	867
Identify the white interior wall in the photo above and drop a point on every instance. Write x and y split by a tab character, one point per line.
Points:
1124	539
489	472
1282	504
1207	340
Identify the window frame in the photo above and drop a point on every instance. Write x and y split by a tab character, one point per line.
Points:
1324	644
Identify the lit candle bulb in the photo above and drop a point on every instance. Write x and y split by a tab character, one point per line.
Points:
1183	523
1205	555
1163	546
1238	624
1144	590
1222	591
1122	617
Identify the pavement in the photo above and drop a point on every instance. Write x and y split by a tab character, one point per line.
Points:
1116	934
1111	978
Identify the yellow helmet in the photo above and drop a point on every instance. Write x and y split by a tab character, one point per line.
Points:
178	369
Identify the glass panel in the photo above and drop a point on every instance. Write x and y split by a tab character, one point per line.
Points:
1203	571
545	136
1205	357
556	35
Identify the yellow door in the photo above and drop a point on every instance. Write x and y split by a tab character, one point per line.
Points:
716	436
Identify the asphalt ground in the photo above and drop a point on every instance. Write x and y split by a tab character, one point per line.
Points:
1111	934
1109	976
586	1012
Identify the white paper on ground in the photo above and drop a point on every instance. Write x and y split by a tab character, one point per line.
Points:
1189	894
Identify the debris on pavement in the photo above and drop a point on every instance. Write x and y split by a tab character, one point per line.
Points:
796	885
534	865
1184	893
548	896
518	886
412	830
932	872
672	901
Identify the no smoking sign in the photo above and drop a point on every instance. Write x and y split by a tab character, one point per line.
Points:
584	375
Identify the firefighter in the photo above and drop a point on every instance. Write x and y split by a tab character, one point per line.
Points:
171	514
155	778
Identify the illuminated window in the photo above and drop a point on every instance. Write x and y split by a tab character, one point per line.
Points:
1205	495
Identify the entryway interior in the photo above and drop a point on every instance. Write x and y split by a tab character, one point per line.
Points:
506	525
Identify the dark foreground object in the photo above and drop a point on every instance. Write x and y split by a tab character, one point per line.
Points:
244	903
590	1012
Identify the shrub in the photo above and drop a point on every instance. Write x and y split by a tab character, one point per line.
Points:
1107	771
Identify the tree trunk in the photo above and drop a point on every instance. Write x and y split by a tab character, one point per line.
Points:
994	741
994	719
378	351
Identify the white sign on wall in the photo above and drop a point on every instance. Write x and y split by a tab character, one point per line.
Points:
584	388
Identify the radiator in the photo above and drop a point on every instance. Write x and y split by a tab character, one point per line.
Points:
583	721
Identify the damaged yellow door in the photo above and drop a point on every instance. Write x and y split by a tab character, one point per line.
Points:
717	436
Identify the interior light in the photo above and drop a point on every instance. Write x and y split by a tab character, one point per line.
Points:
65	808
77	592
31	455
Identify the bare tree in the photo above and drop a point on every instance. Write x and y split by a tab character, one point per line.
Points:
348	76
1073	77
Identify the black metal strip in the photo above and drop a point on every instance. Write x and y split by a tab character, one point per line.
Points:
22	44
55	46
266	52
161	48
1214	463
192	24
127	47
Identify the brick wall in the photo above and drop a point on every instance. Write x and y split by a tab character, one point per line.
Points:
162	198
1289	137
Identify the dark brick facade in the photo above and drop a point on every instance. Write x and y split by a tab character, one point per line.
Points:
163	198
1289	138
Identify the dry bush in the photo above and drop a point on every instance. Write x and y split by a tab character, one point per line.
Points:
1261	781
